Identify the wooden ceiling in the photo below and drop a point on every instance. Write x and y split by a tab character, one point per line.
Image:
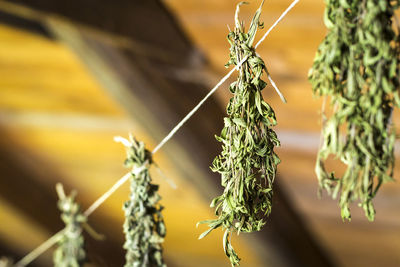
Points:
58	118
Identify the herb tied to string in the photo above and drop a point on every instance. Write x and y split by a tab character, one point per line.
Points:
144	226
70	251
357	67
6	262
247	163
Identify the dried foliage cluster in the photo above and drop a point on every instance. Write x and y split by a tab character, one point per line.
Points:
247	163
70	248
6	262
144	226
357	69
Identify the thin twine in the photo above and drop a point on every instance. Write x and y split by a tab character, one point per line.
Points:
54	239
107	194
40	249
276	22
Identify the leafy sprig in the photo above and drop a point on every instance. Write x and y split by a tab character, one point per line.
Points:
70	250
357	67
6	262
144	226
247	163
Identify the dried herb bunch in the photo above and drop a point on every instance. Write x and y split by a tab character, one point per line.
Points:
144	226
70	251
247	163
357	68
6	262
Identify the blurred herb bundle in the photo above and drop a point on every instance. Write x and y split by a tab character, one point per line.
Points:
6	262
247	163
357	69
144	226
70	250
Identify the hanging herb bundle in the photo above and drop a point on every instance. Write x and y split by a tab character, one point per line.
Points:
70	251
6	262
248	162
357	68
144	226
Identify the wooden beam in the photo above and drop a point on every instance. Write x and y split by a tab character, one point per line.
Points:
24	24
140	27
24	191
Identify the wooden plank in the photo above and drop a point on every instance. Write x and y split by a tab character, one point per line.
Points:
24	184
140	28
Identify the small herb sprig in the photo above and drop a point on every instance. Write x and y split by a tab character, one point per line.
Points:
6	262
70	250
144	226
248	162
357	67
